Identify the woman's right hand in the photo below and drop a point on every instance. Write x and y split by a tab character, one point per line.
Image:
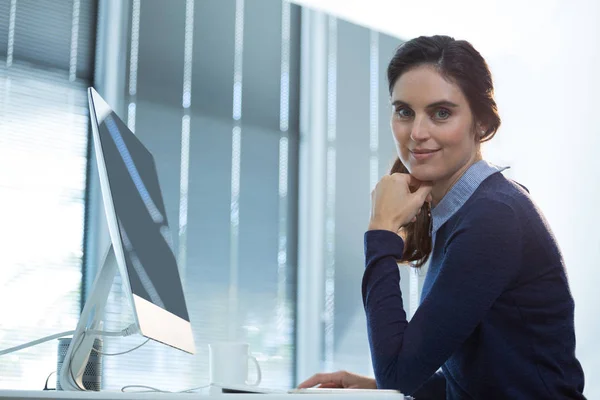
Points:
339	379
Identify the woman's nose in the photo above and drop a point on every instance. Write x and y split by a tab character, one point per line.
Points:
419	132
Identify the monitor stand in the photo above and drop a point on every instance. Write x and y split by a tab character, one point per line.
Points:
91	319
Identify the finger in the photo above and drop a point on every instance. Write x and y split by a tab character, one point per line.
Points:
330	385
420	195
414	183
402	177
315	380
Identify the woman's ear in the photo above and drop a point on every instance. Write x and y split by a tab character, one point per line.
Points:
480	131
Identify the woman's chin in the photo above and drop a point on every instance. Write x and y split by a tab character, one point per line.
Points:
424	173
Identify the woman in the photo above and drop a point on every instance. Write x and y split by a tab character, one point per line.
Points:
496	313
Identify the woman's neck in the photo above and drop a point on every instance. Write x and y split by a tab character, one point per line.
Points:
442	187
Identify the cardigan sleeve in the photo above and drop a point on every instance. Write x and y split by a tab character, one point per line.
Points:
481	257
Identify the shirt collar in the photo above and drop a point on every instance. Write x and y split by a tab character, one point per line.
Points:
461	191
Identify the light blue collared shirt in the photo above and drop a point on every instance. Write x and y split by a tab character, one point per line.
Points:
458	195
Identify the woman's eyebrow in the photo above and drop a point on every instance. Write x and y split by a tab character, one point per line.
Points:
441	103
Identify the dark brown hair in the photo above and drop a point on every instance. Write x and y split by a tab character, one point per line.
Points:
458	62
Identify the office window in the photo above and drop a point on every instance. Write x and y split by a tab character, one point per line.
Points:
212	91
358	60
359	150
46	52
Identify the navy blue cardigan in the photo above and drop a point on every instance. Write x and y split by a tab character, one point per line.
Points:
496	313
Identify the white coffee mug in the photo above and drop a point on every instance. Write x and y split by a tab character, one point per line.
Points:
229	364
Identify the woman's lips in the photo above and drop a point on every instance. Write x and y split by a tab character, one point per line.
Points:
422	155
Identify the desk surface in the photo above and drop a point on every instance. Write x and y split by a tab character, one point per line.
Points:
51	394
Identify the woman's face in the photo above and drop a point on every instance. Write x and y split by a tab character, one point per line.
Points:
432	125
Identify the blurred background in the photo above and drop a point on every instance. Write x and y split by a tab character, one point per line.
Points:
269	124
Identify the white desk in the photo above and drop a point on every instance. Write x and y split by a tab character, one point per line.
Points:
51	394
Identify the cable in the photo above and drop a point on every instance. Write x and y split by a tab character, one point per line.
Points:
48	380
123	352
196	388
35	342
71	362
130	330
153	389
148	389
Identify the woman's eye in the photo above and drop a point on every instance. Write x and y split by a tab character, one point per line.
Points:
404	112
442	113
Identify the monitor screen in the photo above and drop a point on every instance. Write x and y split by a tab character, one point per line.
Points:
141	218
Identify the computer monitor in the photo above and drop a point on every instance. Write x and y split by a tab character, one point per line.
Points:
141	244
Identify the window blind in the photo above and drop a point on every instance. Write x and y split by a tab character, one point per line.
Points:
359	150
212	91
46	50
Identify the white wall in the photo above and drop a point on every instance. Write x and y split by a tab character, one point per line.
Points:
545	57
